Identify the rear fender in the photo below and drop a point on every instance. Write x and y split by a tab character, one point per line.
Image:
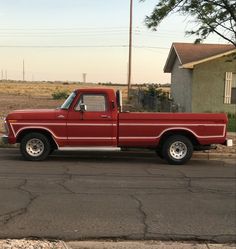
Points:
180	131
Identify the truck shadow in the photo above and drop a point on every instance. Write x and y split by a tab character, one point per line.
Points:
107	157
131	157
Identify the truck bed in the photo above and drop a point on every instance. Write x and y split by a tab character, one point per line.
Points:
146	129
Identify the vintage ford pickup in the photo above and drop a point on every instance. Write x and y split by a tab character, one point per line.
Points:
93	119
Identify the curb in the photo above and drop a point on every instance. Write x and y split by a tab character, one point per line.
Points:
143	245
212	156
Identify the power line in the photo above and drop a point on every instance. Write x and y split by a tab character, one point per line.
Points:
63	46
86	28
79	46
151	47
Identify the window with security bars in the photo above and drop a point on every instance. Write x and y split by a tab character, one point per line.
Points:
230	88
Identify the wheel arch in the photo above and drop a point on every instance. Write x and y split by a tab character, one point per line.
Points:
45	132
187	133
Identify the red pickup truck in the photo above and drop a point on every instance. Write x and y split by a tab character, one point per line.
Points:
93	119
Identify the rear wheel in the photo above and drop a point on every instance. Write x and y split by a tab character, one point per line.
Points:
177	149
35	147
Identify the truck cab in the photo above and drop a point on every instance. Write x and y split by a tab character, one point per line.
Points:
92	118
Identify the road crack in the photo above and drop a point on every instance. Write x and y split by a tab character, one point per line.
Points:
62	184
7	217
68	177
143	215
188	182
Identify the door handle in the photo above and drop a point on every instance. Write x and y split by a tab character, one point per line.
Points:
61	116
105	116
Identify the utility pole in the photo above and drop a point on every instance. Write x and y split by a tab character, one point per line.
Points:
6	74
2	75
23	73
130	46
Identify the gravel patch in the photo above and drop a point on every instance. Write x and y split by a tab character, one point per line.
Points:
221	149
31	244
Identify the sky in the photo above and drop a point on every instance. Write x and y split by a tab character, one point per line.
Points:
63	39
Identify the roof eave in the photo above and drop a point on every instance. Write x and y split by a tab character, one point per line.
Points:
191	65
171	59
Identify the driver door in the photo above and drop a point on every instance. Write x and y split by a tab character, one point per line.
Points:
90	122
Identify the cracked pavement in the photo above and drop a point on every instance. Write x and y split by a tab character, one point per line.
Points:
127	195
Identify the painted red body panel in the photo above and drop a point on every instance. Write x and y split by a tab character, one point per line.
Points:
71	128
146	129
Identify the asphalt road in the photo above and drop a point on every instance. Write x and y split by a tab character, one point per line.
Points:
117	196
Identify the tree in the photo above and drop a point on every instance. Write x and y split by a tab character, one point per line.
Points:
212	16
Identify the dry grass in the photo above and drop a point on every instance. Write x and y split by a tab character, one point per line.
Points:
45	89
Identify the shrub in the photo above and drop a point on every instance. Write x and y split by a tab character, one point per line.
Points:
232	122
154	99
60	95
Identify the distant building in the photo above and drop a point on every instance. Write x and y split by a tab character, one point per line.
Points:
203	77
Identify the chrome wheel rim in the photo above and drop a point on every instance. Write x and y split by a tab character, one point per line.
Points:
178	150
35	147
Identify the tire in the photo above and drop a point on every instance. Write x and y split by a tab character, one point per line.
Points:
35	147
177	150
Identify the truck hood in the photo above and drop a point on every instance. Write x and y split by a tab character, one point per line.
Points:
34	114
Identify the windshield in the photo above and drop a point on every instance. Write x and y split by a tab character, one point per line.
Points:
68	101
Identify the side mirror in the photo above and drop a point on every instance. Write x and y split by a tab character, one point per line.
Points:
83	107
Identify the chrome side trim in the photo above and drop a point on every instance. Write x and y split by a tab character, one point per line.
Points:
91	138
88	124
99	148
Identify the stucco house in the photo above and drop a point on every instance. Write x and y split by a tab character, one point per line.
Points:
203	77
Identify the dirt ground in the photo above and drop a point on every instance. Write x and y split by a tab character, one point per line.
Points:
10	102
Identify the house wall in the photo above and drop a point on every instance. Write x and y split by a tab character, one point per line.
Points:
208	86
181	87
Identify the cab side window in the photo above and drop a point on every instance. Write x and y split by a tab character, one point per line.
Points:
94	102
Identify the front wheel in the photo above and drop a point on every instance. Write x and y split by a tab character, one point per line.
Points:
35	147
177	149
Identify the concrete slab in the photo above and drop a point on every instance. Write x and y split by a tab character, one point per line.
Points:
220	246
144	245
